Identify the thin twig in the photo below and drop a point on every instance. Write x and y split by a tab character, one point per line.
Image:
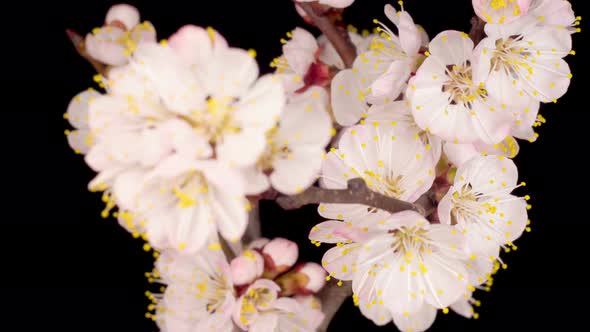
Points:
356	193
338	36
477	29
332	297
79	44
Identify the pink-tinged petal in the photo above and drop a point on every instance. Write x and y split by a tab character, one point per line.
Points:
451	47
300	51
127	187
305	120
192	44
270	285
143	33
370	297
262	105
392	14
487	174
340	261
500	12
418	321
107	47
265	322
409	35
549	81
81	140
553	13
490	121
445	280
393	81
326	232
513	217
256	181
298	171
458	154
335	172
227	200
242	149
191	229
480	266
126	14
124	81
463	307
337	3
77	113
247	267
179	89
230	73
359	149
348	97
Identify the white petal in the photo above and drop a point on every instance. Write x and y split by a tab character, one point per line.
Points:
256	181
409	35
451	47
348	102
300	51
297	172
105	46
418	321
81	140
77	113
262	105
230	73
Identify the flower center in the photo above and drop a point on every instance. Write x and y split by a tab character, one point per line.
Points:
460	85
216	120
190	186
464	202
410	241
274	150
213	291
254	299
510	53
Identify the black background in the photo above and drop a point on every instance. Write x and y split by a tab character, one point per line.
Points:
70	270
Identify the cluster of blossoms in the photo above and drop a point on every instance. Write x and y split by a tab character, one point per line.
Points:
259	290
187	138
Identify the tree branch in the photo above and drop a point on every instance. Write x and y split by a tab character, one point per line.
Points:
477	29
337	35
356	193
332	297
79	45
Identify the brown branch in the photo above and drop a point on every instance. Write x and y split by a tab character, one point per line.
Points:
356	193
332	297
477	29
79	44
337	35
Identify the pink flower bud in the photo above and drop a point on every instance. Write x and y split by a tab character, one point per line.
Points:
247	267
304	279
316	275
124	14
280	254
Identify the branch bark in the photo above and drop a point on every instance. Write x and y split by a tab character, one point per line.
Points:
477	29
356	193
332	297
78	42
337	35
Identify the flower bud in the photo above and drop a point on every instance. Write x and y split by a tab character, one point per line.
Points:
247	267
279	255
123	14
305	279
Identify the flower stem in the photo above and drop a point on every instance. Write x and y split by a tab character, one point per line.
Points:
337	35
477	29
332	297
356	193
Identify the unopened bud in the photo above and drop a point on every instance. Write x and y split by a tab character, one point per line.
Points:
280	254
247	267
306	278
124	14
